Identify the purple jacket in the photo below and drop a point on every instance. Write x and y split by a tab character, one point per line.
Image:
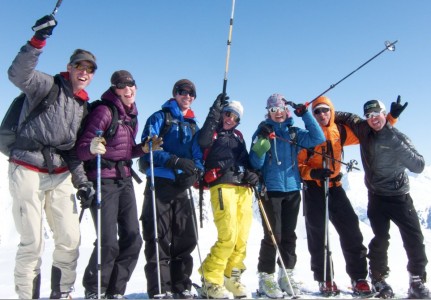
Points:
121	147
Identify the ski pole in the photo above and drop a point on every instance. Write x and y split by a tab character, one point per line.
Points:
153	193
348	165
99	133
195	229
274	241
229	41
388	46
49	23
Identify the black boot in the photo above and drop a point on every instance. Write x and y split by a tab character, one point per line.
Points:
417	289
380	286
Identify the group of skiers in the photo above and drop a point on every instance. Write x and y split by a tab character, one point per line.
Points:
65	149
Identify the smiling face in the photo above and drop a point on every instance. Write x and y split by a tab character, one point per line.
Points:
127	94
279	114
80	75
184	99
376	120
230	120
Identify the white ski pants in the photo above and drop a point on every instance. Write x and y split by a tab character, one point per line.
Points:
34	193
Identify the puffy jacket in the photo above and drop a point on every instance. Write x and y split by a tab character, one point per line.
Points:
226	155
119	148
385	154
179	140
332	146
57	126
279	166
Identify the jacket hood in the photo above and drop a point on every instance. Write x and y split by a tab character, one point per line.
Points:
109	95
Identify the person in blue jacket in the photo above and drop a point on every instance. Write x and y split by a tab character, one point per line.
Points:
274	150
176	169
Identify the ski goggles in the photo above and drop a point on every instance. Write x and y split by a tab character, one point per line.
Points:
318	111
275	109
88	69
122	85
186	92
372	114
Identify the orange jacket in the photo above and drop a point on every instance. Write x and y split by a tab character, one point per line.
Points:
308	162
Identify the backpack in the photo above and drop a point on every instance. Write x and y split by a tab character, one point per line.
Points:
112	129
9	125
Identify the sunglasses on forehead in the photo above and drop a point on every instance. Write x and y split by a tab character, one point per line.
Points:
185	93
88	69
275	109
372	114
122	85
318	111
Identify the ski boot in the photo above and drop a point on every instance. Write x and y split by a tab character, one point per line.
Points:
361	288
268	286
283	282
328	289
417	289
234	284
380	286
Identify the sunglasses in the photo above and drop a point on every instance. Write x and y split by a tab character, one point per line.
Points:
318	111
372	114
230	114
88	69
185	93
275	109
122	85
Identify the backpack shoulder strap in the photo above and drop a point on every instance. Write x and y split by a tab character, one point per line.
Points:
343	133
167	123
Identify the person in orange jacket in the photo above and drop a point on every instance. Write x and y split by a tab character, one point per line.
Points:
341	213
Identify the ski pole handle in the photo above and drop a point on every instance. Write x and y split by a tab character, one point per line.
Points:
49	23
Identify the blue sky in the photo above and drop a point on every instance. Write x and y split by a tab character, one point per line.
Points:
296	48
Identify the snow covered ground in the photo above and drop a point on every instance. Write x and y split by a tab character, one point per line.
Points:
353	183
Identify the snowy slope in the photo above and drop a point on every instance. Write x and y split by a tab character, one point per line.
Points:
353	182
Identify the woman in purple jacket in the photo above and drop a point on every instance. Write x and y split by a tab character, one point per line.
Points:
118	203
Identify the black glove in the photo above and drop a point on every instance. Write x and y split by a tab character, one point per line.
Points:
264	131
397	108
251	178
300	109
44	26
86	194
320	173
187	165
220	102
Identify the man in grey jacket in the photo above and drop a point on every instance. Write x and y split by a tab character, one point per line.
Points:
386	153
44	168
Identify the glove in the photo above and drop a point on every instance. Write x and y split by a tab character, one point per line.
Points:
220	102
320	174
264	131
44	26
187	165
156	144
397	108
261	147
86	194
97	145
251	178
300	109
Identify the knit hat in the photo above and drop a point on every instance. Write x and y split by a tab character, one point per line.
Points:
275	100
121	76
374	106
81	55
322	105
184	84
235	107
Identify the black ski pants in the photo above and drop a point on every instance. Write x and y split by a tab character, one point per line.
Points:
401	211
282	210
121	240
176	236
344	220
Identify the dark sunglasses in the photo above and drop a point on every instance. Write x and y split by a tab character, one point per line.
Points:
88	69
230	114
122	85
318	111
185	93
